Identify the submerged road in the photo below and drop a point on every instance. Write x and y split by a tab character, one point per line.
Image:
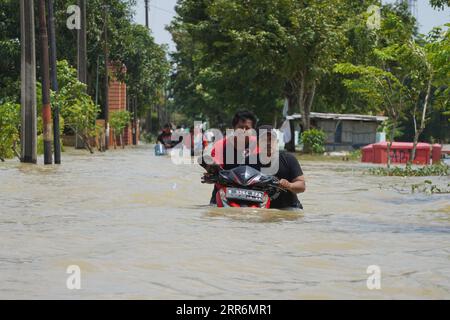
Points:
138	226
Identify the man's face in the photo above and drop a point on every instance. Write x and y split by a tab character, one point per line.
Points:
244	125
240	128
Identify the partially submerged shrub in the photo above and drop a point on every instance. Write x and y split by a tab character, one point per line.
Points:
9	129
428	187
409	171
313	141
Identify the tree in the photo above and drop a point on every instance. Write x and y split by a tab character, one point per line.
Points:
148	70
76	106
9	130
9	51
118	122
380	88
440	4
258	52
396	73
147	67
209	80
438	50
420	88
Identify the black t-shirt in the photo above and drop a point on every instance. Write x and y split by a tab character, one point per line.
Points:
289	169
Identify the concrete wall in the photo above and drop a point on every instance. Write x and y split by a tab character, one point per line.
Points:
354	133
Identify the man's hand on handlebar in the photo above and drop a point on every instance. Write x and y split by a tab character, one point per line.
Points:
285	184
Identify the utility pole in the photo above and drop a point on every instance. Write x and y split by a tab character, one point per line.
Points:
54	81
81	57
46	109
106	111
28	83
146	13
148	123
135	122
82	44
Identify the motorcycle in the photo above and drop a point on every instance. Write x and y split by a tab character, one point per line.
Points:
242	186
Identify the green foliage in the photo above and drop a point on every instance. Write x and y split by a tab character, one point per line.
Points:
252	54
409	171
313	141
147	67
128	43
9	51
355	155
149	137
76	106
9	129
118	120
440	4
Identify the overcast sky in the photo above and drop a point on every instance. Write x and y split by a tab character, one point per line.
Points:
162	12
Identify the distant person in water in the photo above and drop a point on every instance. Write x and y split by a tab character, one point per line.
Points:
165	137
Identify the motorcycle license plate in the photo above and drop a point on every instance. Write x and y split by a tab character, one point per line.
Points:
245	195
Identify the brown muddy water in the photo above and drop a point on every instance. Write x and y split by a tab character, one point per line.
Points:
138	227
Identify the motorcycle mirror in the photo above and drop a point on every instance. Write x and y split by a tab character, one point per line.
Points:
207	162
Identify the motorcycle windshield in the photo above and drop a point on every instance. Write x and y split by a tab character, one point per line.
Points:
244	176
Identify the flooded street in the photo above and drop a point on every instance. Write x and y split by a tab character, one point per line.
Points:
138	227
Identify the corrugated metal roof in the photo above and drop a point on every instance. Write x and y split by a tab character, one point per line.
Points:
339	116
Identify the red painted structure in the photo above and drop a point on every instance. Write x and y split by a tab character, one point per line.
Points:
401	152
118	102
367	153
436	153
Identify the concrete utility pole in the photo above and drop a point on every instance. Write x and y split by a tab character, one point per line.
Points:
82	44
135	122
46	109
106	111
28	83
146	13
54	80
148	123
81	56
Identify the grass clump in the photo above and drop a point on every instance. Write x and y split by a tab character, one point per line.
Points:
409	171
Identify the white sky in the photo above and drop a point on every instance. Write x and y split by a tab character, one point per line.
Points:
162	12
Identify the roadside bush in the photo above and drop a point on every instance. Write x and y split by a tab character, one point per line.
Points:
149	137
118	121
9	129
76	106
409	171
313	141
355	155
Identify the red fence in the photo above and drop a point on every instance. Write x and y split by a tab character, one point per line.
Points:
401	152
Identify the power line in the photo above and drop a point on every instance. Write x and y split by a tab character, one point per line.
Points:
172	13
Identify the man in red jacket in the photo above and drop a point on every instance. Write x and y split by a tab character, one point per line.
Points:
231	152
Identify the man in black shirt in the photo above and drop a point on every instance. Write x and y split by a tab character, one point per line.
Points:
165	138
289	171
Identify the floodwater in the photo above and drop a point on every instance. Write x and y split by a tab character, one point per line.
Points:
138	227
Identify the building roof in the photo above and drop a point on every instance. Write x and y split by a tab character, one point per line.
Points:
338	116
